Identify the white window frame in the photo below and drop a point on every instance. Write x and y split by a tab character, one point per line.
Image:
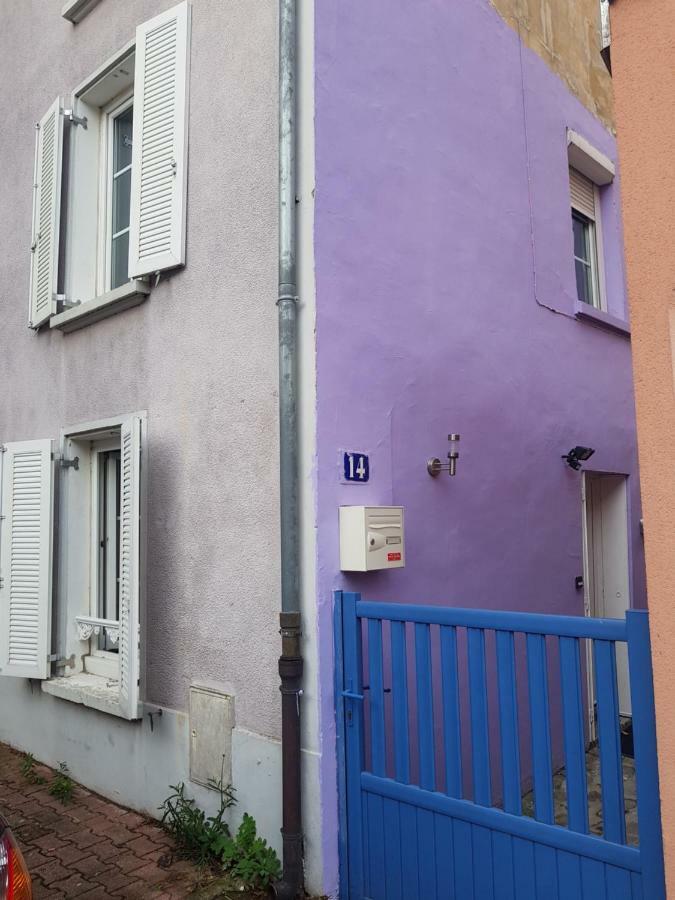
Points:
596	252
109	113
99	662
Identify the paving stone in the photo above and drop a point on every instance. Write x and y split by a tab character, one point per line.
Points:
127	861
85	839
73	886
51	871
92	866
141	845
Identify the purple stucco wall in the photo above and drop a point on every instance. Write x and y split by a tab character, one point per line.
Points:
442	233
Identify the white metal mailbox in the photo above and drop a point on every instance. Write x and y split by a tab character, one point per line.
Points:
371	538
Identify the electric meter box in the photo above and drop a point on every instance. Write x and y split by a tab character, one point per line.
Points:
371	538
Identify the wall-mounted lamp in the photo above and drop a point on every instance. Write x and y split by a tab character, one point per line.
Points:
577	455
435	466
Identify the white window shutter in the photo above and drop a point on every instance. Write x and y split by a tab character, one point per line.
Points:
582	192
26	559
159	155
46	216
130	509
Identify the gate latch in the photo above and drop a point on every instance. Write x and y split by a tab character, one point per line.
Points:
352	696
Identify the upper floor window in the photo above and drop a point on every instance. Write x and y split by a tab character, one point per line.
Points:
110	178
589	172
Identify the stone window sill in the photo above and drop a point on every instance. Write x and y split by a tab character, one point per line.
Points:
587	313
123	297
89	690
76	10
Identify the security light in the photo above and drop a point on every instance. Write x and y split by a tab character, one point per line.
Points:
577	455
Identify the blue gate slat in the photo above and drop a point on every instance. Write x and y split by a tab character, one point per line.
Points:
618	882
540	727
646	758
593	883
341	736
376	859
502	872
392	850
426	853
445	874
399	668
573	735
508	722
452	733
409	856
425	707
569	875
353	712
463	860
545	872
636	886
483	881
376	684
480	749
609	740
367	860
523	869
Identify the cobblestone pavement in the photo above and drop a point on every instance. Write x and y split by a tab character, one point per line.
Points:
89	847
594	797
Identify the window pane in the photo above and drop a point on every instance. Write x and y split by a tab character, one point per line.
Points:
121	201
120	260
584	282
122	139
580	229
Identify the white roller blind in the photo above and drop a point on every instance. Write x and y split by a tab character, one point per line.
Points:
159	156
129	551
46	216
582	192
26	559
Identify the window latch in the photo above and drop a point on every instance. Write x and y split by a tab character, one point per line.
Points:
73	119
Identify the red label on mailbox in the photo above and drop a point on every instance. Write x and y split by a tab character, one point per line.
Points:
394	557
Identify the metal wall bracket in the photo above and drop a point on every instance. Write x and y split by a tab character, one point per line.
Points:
70	463
61	661
64	301
73	119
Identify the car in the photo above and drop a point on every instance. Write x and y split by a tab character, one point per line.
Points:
15	881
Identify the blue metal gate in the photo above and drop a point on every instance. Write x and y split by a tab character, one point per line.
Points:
455	719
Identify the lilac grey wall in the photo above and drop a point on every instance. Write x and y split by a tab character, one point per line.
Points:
442	234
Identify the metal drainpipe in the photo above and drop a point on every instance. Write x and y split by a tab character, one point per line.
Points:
290	662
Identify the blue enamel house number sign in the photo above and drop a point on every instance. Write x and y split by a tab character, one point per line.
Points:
355	467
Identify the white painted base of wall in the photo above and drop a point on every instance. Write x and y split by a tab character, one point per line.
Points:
132	764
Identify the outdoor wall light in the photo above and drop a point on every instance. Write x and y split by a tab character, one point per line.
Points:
577	455
435	466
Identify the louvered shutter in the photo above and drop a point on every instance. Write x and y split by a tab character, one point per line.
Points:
159	155
582	192
26	559
130	505
46	217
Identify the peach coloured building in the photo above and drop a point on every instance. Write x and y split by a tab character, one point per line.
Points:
643	48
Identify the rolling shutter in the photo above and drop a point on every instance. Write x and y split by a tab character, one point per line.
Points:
159	156
46	217
130	507
26	559
582	192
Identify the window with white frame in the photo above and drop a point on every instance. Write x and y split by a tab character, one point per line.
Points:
98	549
590	171
110	178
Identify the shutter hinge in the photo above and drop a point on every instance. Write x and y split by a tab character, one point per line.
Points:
66	463
73	119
